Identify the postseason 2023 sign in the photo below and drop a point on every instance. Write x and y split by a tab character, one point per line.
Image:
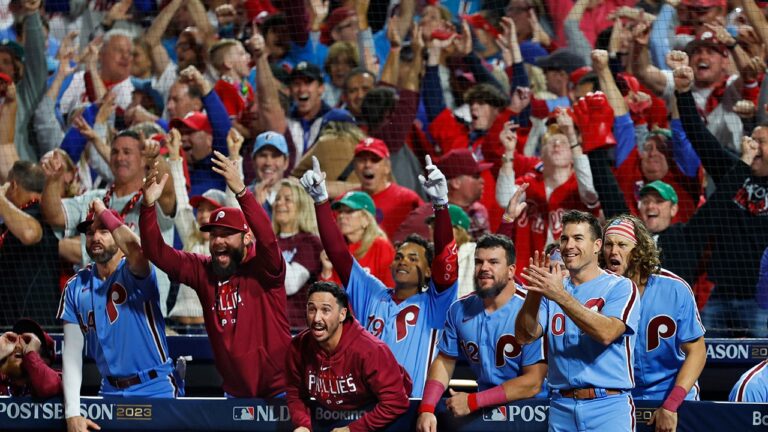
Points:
205	414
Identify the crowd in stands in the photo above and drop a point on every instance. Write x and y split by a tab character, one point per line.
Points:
177	113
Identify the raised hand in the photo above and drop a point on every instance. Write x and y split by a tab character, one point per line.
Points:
395	41
594	116
96	207
435	184
153	188
520	99
464	42
54	168
256	43
721	34
516	205
84	128
683	76
749	150
318	11
599	60
234	143
676	59
150	152
7	344
313	182
228	169
119	12
508	137
30	6
173	144
193	77
641	33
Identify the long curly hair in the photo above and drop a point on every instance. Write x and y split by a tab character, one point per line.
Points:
644	258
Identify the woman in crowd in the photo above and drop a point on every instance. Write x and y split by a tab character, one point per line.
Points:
293	219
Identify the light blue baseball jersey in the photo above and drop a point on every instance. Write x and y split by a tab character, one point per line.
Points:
752	386
487	340
575	359
410	327
668	319
121	320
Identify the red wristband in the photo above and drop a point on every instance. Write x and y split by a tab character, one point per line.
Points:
433	390
675	399
110	220
472	402
491	397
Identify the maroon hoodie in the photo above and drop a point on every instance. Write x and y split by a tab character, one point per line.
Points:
360	371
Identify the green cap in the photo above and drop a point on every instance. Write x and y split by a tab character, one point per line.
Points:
356	200
665	191
459	217
13	47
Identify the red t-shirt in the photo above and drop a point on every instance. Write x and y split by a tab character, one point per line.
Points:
395	202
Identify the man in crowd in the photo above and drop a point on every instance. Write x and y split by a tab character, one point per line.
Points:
306	116
270	160
240	285
128	161
409	316
28	290
374	169
114	305
465	187
26	355
590	321
670	352
356	85
478	328
336	352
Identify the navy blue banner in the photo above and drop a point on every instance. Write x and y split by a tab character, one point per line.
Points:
206	414
747	352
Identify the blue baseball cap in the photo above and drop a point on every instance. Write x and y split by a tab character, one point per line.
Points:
270	138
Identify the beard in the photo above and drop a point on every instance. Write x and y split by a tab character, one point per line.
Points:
225	272
491	292
104	256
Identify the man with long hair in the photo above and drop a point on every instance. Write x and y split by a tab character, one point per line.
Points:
670	352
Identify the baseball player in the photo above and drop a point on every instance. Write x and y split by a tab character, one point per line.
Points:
343	367
113	305
590	320
480	328
670	352
240	285
409	317
752	386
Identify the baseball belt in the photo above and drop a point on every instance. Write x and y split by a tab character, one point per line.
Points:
125	382
588	393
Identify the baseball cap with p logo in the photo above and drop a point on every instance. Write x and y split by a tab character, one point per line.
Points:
226	217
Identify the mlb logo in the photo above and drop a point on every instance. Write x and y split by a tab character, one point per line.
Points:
243	413
495	414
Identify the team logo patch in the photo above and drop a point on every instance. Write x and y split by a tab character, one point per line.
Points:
495	414
219	215
243	413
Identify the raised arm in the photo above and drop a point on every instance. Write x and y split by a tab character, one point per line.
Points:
333	241
445	265
267	249
577	42
22	225
390	73
125	238
607	83
411	79
648	74
154	33
271	114
53	190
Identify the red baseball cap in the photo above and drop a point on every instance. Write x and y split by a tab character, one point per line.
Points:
47	346
461	162
478	21
226	217
372	145
194	120
706	39
215	197
335	18
6	78
578	74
